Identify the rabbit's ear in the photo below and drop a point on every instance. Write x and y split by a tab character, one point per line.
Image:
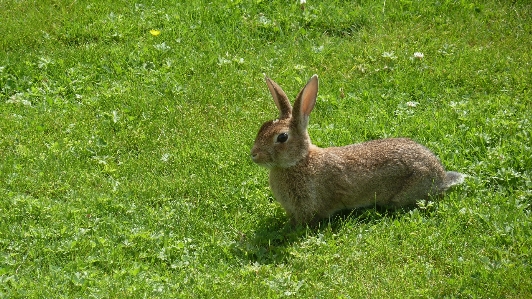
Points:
305	101
280	99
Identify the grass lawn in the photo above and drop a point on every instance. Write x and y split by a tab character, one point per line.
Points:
126	126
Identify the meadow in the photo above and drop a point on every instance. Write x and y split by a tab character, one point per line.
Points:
126	127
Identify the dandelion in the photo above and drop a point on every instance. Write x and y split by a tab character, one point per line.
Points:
418	55
155	32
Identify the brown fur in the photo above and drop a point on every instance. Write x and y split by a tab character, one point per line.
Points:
312	183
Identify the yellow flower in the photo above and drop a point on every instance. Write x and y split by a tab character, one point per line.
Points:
155	32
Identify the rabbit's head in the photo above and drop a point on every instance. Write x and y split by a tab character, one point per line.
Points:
284	142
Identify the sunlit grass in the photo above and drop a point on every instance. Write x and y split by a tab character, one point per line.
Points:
126	129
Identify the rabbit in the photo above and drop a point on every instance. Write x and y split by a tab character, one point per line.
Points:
313	183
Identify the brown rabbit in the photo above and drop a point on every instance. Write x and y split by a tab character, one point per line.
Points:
312	183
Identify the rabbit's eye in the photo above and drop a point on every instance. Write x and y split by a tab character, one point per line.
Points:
283	137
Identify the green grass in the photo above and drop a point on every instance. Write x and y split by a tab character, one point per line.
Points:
125	167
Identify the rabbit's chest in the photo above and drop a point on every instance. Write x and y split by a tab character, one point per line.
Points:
292	188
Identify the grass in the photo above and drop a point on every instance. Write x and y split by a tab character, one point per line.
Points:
125	167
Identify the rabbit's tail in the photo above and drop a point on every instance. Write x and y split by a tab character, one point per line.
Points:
452	178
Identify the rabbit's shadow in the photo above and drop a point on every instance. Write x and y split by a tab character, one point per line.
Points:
271	242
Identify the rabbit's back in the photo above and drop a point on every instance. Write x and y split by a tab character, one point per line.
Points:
391	157
391	172
383	169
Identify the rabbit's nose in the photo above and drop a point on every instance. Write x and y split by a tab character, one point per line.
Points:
254	154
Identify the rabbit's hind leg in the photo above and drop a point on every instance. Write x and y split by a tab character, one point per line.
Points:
417	187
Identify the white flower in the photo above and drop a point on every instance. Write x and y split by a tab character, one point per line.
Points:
316	49
418	55
389	55
302	1
162	47
19	98
44	62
